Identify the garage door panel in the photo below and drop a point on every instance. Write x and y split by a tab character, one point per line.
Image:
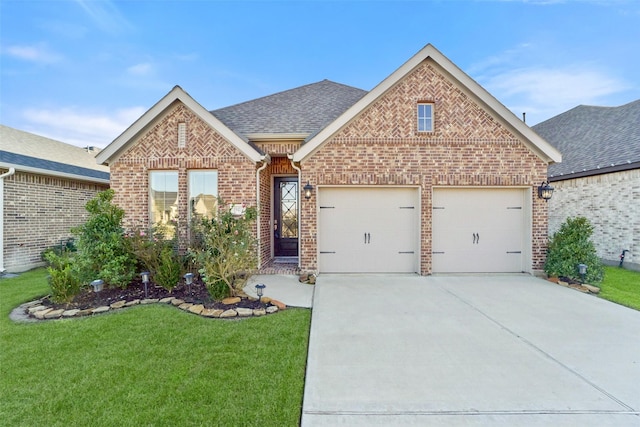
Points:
478	230
368	229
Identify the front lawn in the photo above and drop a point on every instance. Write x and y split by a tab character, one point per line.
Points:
621	286
149	365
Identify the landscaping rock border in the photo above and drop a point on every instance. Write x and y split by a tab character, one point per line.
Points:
582	287
34	311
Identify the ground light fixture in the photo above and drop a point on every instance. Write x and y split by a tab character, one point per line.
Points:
307	190
97	285
189	279
545	191
145	281
260	290
582	269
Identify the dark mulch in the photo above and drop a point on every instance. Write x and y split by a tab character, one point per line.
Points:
196	294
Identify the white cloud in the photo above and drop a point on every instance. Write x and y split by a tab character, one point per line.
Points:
33	53
105	15
79	127
140	69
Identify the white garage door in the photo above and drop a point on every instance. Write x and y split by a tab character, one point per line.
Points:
479	230
368	230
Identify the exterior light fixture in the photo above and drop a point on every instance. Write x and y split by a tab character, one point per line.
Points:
582	269
545	191
189	279
307	190
260	290
145	281
97	285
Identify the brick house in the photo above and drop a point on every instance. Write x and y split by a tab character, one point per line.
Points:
44	187
425	173
599	177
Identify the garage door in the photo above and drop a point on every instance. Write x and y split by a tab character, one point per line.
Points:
368	230
479	230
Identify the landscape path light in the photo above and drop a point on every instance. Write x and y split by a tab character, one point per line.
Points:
145	281
97	285
260	290
582	269
189	279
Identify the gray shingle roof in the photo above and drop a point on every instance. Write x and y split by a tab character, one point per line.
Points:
19	148
302	110
594	140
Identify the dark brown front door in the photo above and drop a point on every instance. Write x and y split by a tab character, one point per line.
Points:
285	216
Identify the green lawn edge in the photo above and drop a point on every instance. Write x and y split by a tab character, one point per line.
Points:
621	286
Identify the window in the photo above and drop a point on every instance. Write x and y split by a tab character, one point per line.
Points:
163	195
203	193
425	117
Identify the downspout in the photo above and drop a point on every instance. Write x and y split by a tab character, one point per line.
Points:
290	157
2	177
265	161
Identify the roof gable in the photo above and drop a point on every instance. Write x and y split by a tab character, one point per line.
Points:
534	142
594	140
118	146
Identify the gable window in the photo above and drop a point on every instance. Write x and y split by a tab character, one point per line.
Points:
203	193
425	117
163	197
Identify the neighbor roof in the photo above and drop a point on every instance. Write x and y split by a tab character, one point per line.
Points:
303	111
33	153
594	140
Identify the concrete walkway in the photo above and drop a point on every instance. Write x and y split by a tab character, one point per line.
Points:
468	350
284	288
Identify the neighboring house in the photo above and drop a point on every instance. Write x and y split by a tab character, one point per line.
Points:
44	188
599	177
425	173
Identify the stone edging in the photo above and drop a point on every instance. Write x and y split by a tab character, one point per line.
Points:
35	310
583	287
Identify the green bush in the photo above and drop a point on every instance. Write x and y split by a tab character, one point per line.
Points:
225	251
157	254
571	245
103	251
62	278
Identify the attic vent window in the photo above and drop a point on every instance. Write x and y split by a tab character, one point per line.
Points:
425	117
182	135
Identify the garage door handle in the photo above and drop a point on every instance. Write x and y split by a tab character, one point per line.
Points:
367	238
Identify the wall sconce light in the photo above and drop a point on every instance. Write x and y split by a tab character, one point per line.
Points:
545	191
307	190
189	279
260	290
97	285
145	281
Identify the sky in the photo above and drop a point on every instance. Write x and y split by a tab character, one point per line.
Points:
82	71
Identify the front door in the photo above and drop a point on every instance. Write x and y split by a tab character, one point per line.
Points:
285	216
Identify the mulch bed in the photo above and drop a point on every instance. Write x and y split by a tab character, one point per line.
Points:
196	294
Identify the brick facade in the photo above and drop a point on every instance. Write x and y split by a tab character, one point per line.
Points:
611	202
157	149
381	146
39	212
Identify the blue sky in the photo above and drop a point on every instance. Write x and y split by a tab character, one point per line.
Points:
82	71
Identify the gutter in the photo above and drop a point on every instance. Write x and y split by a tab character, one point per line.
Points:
7	174
265	162
290	157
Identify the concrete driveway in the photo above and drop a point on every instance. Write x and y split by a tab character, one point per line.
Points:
513	350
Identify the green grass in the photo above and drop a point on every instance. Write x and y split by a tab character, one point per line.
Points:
621	286
149	365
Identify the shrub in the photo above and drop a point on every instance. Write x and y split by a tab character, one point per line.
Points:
62	278
103	252
157	254
224	248
570	246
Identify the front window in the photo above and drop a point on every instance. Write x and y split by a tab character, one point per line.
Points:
425	117
203	193
163	197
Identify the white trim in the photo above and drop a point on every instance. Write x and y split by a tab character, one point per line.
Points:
541	147
113	150
57	174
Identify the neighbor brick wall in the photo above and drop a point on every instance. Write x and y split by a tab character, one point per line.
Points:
381	146
39	212
157	149
611	202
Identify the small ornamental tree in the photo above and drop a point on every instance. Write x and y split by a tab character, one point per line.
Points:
157	254
225	250
571	245
103	252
